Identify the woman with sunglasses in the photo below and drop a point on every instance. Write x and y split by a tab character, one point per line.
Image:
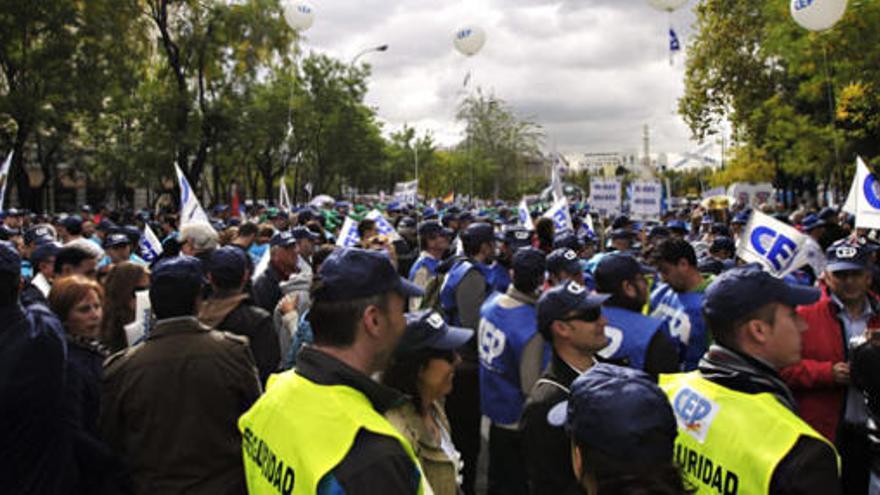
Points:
423	367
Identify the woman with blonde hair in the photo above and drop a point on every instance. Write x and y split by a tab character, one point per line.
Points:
121	284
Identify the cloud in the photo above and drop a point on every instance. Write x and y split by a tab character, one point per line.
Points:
591	72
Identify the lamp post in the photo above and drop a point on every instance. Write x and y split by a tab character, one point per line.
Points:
380	48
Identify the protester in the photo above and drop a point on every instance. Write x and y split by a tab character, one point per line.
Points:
563	265
198	240
623	432
322	422
422	368
37	289
121	285
283	263
865	375
736	417
75	260
191	382
571	320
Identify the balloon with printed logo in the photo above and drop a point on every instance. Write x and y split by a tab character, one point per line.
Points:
667	5
469	40
299	15
817	15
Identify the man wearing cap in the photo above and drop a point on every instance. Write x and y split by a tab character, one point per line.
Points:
679	299
833	230
118	248
34	443
820	381
563	265
321	424
814	227
738	429
570	318
230	308
38	288
720	258
305	244
283	262
622	431
406	245
190	383
465	288
512	355
434	240
511	239
636	340
70	228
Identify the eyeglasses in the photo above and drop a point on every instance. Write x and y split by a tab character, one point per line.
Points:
588	315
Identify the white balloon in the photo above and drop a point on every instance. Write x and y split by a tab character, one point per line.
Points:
667	5
817	15
469	40
299	15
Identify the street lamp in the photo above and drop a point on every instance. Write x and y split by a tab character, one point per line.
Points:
380	48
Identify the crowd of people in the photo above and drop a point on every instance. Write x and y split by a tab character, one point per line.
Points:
615	356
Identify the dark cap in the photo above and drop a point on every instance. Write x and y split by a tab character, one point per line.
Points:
568	240
300	233
621	234
283	239
620	222
105	225
186	269
827	213
811	222
227	265
516	237
7	233
677	226
34	233
741	290
620	412
563	260
528	260
72	222
478	232
658	231
722	244
407	223
115	240
10	260
741	218
45	251
354	273
561	300
847	255
432	228
427	330
614	268
721	229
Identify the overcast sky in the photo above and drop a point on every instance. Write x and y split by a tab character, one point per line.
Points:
591	72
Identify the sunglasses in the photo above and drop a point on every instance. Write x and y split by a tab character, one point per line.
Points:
588	315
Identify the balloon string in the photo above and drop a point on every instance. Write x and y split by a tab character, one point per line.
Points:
831	104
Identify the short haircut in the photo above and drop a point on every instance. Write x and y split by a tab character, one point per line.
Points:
365	226
471	246
202	236
248	229
334	323
266	230
173	297
724	330
545	230
72	256
67	292
9	290
527	281
671	250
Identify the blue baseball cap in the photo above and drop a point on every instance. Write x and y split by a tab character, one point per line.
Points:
8	232
614	268
428	330
45	251
847	255
722	244
187	269
741	218
300	233
283	239
478	232
620	412
741	290
36	232
658	231
563	260
72	222
811	222
10	260
516	237
560	301
677	226
432	228
115	240
827	213
227	264
568	240
354	273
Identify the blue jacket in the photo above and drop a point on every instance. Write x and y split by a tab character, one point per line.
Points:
499	277
450	285
629	335
683	313
426	261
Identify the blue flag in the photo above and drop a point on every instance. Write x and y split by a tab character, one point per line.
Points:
674	44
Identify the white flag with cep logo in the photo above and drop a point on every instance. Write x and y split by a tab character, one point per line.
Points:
190	209
348	234
525	218
866	191
560	216
383	225
150	246
776	246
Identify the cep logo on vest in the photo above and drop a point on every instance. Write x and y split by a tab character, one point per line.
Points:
694	413
776	248
491	342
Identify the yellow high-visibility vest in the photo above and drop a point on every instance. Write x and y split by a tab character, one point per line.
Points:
730	442
298	431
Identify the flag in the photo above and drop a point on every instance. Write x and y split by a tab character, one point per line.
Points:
190	209
283	196
348	234
866	196
449	198
556	177
383	225
674	44
407	192
776	246
560	216
150	246
262	265
525	219
811	255
4	178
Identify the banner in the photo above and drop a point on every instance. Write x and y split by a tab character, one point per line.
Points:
348	234
778	247
150	246
525	218
383	225
4	178
407	192
646	200
190	209
284	197
560	215
605	196
867	197
753	195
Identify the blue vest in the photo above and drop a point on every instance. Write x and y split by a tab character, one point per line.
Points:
499	277
450	285
503	334
424	261
629	335
683	313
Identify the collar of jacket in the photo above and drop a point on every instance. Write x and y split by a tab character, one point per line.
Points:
560	371
516	294
323	369
743	373
177	325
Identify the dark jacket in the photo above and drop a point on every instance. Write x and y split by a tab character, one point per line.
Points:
35	440
811	465
375	463
170	408
865	373
547	447
237	314
266	291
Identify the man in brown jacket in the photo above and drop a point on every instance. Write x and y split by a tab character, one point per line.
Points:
170	404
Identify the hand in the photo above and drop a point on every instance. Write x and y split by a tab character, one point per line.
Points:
841	373
288	303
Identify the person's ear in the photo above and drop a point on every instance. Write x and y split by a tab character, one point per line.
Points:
372	321
757	331
560	329
629	289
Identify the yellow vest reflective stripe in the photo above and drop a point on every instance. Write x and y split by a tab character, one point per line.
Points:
730	442
298	431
